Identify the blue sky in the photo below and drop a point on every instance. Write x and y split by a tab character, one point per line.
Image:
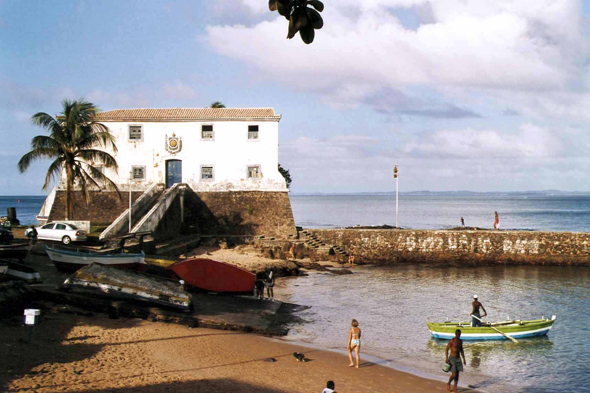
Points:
463	95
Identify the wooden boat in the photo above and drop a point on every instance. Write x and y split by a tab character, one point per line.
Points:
214	276
14	251
104	280
514	328
70	260
16	271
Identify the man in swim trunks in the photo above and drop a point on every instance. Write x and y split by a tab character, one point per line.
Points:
456	347
475	312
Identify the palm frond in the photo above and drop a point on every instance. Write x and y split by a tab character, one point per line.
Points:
54	170
102	157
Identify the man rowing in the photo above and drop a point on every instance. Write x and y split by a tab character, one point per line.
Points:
456	347
476	322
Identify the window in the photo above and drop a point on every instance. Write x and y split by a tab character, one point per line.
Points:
254	172
207	172
135	133
138	173
48	226
60	226
252	132
207	132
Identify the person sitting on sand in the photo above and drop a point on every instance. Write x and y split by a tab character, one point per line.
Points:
456	347
330	386
354	342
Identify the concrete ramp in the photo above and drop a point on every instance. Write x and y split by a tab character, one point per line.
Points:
151	220
139	208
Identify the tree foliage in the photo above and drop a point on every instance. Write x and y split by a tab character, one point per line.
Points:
286	175
217	104
302	19
72	145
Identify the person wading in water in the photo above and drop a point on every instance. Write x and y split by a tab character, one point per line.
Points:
475	312
456	347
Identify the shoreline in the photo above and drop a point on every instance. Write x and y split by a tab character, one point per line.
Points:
377	360
85	354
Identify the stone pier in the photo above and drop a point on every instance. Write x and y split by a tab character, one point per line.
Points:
461	247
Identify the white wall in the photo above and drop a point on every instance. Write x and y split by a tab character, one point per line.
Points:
229	153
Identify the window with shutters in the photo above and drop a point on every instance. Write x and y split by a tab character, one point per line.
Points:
135	133
254	172
252	133
207	132
207	173
138	172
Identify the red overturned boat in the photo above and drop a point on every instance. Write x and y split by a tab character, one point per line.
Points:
214	276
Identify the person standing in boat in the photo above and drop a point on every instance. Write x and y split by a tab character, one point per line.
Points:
475	312
456	347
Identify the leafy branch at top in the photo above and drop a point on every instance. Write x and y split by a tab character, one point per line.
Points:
302	19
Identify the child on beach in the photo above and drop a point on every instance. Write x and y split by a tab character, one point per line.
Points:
330	386
354	343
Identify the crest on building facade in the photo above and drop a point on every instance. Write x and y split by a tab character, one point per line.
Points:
173	144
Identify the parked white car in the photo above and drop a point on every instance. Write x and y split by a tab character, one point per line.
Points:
59	231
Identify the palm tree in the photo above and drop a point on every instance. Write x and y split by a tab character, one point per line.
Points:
217	104
73	136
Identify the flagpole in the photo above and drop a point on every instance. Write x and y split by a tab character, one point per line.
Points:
130	177
396	195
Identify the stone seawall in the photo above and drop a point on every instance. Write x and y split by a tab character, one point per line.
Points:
102	208
461	247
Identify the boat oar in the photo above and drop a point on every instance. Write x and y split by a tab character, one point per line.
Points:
508	337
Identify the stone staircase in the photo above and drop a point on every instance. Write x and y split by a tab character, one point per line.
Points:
314	242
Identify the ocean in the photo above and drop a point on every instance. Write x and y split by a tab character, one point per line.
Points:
519	212
394	303
27	207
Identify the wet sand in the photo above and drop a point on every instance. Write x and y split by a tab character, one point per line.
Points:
96	354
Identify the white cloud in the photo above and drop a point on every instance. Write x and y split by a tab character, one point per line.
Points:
529	142
505	45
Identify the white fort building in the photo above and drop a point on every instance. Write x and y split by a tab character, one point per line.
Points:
208	149
226	159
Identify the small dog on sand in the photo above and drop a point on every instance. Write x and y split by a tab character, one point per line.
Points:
300	357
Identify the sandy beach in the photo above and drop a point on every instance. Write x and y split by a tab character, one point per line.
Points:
96	354
76	351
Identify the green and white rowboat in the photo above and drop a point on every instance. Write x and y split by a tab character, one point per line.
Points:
516	329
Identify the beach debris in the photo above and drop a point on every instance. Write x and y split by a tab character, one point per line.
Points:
270	360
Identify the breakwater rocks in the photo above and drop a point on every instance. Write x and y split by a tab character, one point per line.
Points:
461	247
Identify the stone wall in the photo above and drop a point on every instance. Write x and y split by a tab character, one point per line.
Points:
461	247
209	213
103	207
240	213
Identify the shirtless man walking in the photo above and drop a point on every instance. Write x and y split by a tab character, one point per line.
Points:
456	347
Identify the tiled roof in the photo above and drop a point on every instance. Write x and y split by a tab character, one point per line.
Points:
187	114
